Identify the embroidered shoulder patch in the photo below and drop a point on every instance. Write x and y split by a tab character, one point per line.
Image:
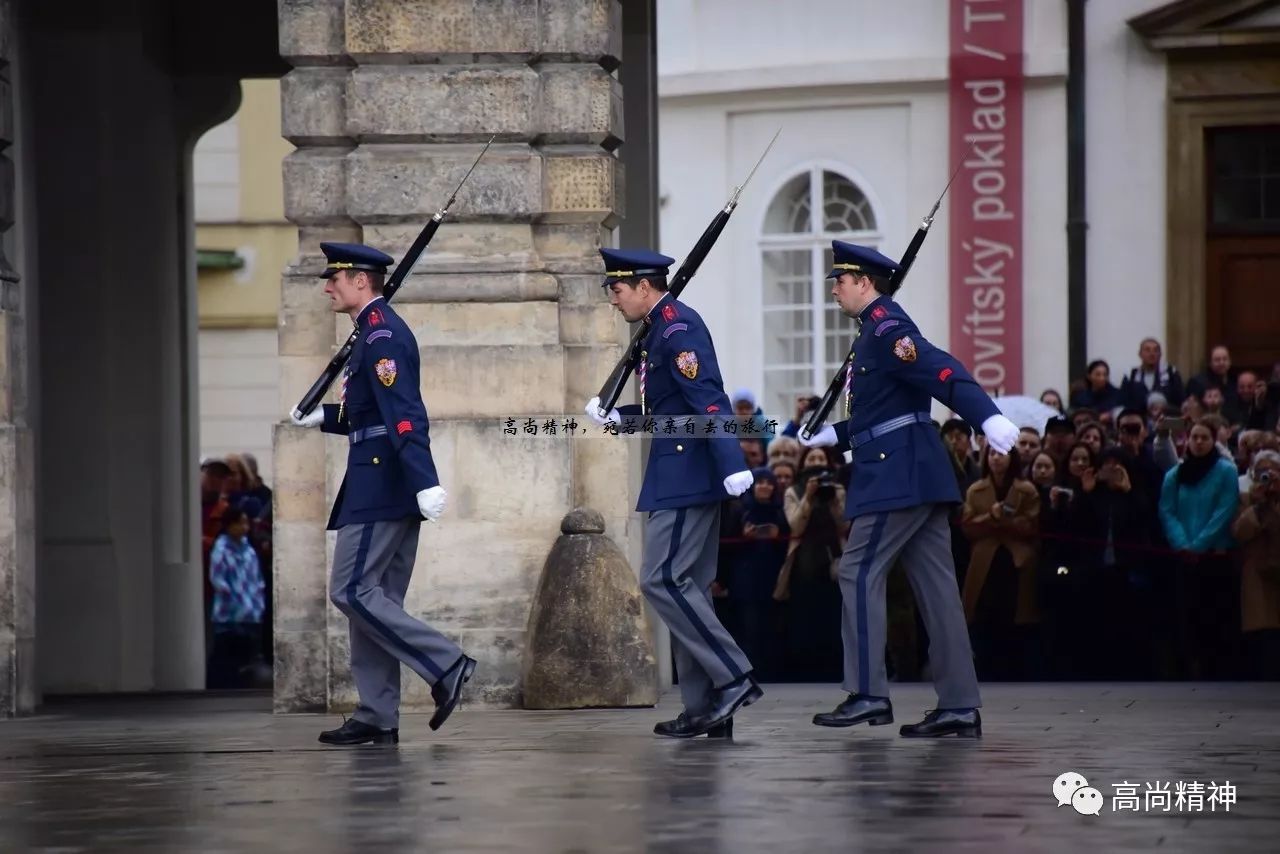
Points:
885	327
403	427
687	362
905	349
386	370
944	374
673	328
376	334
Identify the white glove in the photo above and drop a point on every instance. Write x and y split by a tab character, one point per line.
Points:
593	412
314	418
431	502
1001	433
824	437
739	482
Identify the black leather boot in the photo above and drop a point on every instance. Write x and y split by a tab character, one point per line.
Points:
448	691
876	711
964	723
681	728
353	731
725	702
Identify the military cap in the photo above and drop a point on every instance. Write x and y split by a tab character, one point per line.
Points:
851	258
632	263
353	256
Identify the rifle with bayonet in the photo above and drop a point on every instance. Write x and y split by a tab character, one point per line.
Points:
828	402
321	385
612	388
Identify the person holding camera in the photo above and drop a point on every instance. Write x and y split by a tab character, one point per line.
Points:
1257	528
1001	521
1111	514
815	513
805	404
901	490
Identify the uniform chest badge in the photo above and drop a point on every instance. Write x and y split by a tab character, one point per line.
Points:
687	362
905	349
386	370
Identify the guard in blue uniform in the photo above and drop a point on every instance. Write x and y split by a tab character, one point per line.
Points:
390	487
900	487
686	479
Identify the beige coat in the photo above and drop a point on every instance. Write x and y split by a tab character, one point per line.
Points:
1257	529
1019	533
798	514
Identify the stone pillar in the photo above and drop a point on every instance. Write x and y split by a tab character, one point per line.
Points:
18	689
388	103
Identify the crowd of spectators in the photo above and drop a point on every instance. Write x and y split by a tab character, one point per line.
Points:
1135	534
236	548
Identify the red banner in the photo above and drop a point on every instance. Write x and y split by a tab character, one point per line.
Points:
986	200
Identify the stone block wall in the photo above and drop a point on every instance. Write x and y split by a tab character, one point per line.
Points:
388	103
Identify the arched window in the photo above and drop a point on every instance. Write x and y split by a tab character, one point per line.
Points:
806	336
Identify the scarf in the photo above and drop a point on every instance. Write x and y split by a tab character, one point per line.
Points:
1193	469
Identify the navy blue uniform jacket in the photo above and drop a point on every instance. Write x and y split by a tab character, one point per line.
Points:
384	473
683	379
895	373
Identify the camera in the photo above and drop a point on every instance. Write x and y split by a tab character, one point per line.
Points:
826	486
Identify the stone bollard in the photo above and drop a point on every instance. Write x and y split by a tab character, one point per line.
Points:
588	643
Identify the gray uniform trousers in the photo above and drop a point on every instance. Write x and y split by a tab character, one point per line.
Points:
372	565
922	536
679	564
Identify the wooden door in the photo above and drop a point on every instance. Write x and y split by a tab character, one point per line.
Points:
1243	294
1242	244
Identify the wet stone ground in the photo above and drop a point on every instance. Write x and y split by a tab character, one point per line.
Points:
223	774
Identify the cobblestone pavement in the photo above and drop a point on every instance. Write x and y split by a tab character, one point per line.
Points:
222	774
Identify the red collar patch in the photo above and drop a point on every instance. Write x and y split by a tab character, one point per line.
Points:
669	313
878	312
375	318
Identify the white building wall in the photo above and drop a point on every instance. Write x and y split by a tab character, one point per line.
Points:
215	166
1127	141
731	72
239	393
